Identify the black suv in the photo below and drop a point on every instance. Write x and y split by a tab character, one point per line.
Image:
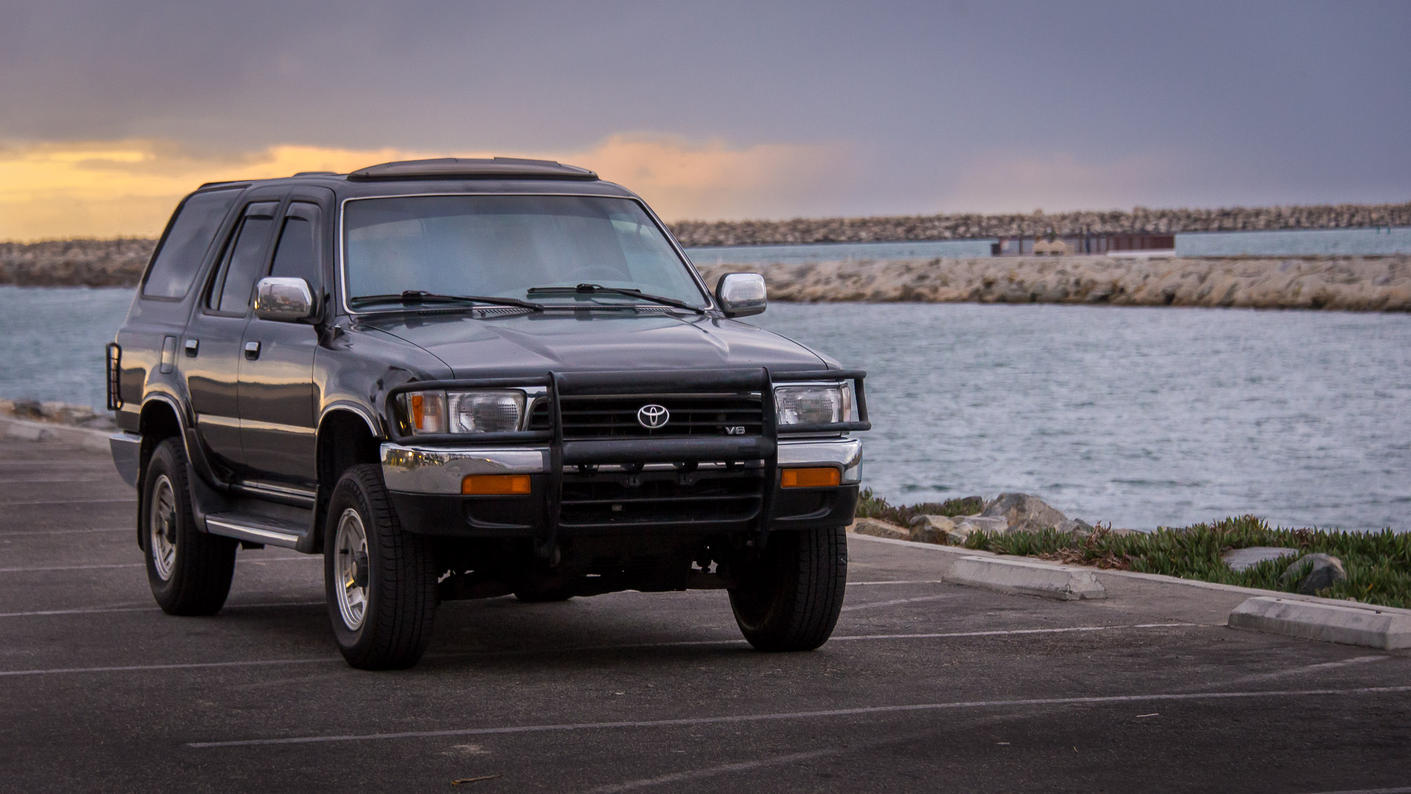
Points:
467	378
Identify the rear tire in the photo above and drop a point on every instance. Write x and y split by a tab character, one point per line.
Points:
379	581
789	598
189	571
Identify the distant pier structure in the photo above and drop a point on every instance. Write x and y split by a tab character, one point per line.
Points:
1119	243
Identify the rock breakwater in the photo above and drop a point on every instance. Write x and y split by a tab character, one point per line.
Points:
75	263
1139	220
1345	283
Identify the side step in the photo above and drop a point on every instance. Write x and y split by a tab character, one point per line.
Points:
268	530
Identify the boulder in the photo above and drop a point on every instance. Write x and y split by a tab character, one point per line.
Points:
880	529
1243	559
1023	512
995	525
1075	527
938	529
1317	572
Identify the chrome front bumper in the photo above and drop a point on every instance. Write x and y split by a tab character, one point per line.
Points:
440	470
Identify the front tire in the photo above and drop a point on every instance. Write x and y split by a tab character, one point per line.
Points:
379	581
788	599
189	571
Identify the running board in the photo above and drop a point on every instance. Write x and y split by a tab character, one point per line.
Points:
261	529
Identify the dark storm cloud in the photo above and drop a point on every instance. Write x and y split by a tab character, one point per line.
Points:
1242	102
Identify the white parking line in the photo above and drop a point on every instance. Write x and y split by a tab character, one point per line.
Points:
98	567
135	668
735	719
1312	668
38	502
896	581
723	769
900	601
579	648
7	534
111	610
1004	632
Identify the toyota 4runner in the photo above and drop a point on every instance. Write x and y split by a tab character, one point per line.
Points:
469	378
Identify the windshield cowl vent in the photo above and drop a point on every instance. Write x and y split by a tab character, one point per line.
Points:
471	168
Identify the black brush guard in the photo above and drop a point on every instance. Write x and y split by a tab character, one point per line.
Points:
756	455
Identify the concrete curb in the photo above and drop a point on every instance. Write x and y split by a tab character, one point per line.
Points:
1059	582
1367	626
1322	619
25	430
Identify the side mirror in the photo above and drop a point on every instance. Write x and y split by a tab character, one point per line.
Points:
741	294
283	299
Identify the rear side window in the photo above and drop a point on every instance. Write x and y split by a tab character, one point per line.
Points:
179	257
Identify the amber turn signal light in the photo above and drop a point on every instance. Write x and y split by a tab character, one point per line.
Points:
822	477
495	485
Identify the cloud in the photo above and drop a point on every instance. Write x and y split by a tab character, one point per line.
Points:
1025	181
128	187
682	179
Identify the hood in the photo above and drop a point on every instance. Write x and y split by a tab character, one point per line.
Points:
532	344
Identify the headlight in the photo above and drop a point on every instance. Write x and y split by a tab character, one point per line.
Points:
813	405
426	412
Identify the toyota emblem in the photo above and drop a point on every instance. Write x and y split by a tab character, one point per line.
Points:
653	416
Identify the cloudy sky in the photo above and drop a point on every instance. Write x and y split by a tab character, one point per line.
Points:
110	111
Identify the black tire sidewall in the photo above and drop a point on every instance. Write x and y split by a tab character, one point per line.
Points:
789	598
401	603
162	462
204	564
349	493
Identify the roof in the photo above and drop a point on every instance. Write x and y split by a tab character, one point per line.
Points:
472	168
447	175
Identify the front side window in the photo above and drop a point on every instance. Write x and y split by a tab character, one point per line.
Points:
296	253
503	246
243	261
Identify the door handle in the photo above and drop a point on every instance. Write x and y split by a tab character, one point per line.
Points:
252	350
191	345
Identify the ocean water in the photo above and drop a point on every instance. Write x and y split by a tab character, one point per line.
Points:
1298	242
53	341
1138	416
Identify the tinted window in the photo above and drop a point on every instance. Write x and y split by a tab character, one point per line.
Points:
245	259
296	256
190	233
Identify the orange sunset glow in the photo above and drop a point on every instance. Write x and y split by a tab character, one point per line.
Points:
127	188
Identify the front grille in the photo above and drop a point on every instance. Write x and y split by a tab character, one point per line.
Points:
615	416
703	498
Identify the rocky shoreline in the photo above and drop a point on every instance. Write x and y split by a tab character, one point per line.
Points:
1330	282
58	413
962	226
1018	515
1344	283
75	263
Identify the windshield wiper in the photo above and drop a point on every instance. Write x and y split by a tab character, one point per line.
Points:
413	297
589	289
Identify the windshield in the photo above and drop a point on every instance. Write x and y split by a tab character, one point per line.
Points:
504	246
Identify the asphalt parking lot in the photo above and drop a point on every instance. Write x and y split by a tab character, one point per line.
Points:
924	686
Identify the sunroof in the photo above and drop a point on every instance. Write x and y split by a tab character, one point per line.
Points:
472	168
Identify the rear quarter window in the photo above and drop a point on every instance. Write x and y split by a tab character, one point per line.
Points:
183	248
